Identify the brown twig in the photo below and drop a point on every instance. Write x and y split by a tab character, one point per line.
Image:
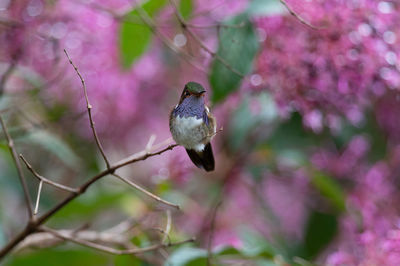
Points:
45	180
36	210
116	235
298	17
21	176
111	250
89	109
151	195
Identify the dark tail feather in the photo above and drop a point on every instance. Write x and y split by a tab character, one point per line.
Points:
204	159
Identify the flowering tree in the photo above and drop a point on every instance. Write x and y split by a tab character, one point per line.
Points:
306	163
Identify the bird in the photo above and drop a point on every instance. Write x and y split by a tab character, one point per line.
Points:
193	126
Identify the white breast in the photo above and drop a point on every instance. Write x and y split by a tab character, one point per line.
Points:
188	132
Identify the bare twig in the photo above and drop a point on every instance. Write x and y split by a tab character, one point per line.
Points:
38	198
150	143
45	180
293	13
141	156
151	195
21	176
89	109
45	239
111	250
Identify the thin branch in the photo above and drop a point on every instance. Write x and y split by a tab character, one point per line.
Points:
89	109
150	143
45	180
141	156
45	239
111	250
38	198
151	195
21	176
116	235
293	13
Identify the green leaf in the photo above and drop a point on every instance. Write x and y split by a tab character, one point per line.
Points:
330	189
53	144
321	228
134	39
185	8
237	47
187	256
226	250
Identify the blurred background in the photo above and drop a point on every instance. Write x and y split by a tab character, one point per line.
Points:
307	93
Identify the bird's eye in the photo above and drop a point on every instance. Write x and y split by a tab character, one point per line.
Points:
187	93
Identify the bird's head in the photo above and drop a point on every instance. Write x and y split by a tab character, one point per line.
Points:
192	89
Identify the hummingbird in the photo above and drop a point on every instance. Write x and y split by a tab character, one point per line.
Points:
193	126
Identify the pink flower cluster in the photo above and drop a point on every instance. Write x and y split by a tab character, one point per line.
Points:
340	68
